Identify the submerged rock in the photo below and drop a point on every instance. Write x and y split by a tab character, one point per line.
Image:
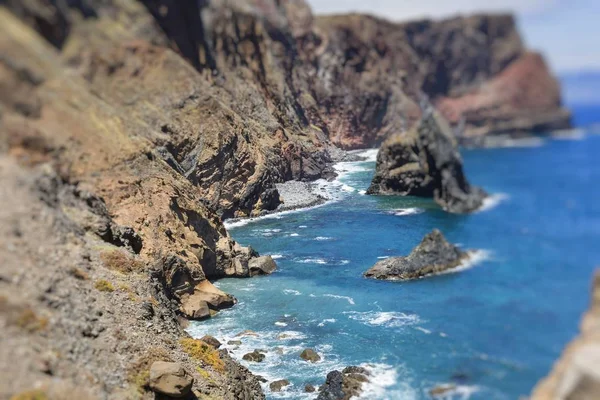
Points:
425	162
433	254
170	379
310	355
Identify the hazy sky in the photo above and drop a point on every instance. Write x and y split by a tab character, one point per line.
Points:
566	31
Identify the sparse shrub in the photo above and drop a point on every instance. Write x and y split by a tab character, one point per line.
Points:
104	286
27	319
118	260
203	352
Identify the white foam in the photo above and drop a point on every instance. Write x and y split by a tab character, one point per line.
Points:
294	235
492	201
382	378
345	262
276	256
302	226
382	257
362	192
280	323
236	223
292	292
313	261
370	155
402	212
426	331
475	257
323	238
327	321
335	296
569	134
291	335
388	319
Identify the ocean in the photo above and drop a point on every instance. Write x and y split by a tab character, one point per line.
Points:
491	329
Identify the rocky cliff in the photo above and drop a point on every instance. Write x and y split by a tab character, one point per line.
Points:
129	129
575	374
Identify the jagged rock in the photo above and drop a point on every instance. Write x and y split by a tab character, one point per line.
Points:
146	310
308	388
434	254
343	385
170	379
425	162
255	356
212	341
575	373
310	355
278	385
264	265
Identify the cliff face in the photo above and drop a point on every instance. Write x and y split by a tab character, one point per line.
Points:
575	374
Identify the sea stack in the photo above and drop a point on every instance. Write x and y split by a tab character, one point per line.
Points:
433	255
425	162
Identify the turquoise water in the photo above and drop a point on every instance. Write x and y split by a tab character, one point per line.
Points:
492	329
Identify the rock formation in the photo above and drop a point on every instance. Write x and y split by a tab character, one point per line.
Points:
343	385
425	162
433	255
575	374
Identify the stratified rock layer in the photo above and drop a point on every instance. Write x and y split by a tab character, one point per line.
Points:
425	162
575	375
433	255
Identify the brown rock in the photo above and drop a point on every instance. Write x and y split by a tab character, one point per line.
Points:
170	379
575	373
264	265
255	356
310	355
308	388
212	341
276	386
441	390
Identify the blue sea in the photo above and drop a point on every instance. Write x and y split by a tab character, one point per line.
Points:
491	329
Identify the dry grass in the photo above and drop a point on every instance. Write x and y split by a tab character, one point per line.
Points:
30	321
104	286
203	352
118	260
30	395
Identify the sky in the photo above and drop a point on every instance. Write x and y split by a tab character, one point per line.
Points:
566	31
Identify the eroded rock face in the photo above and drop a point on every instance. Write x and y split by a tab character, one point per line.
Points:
425	162
433	255
575	374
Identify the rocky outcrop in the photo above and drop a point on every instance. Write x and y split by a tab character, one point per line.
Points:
82	315
575	374
425	162
433	255
310	355
343	385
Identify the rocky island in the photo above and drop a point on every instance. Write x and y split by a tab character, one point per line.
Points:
425	162
433	255
129	130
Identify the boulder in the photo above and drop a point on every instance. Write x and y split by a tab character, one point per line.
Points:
434	254
310	355
278	385
308	388
425	162
170	379
264	265
234	342
255	356
211	340
204	300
